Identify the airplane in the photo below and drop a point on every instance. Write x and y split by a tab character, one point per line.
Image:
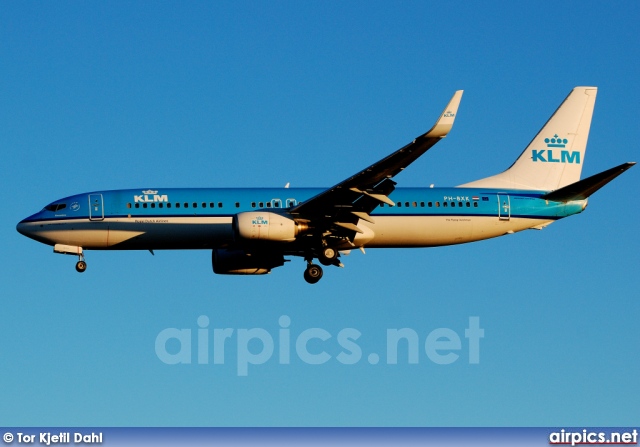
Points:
251	230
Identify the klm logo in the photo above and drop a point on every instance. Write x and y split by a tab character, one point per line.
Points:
150	197
259	220
449	114
551	155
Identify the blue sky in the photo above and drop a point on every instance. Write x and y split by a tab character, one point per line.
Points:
169	94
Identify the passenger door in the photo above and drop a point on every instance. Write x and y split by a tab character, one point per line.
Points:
504	207
96	207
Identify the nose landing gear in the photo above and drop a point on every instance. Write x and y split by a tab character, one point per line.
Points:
81	265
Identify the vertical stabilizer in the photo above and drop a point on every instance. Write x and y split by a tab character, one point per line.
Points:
555	156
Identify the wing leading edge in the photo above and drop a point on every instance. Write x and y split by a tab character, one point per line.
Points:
339	208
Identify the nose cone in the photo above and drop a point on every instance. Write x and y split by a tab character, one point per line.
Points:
34	229
28	228
22	228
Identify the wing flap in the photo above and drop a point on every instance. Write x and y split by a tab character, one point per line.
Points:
363	216
349	226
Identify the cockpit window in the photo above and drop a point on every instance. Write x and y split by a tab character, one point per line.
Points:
55	207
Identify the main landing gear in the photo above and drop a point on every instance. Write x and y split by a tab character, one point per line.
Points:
313	273
326	256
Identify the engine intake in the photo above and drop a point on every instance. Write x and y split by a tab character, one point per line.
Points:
267	227
238	262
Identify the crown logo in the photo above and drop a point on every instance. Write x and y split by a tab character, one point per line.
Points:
556	142
150	191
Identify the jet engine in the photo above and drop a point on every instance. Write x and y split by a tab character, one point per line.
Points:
239	262
265	226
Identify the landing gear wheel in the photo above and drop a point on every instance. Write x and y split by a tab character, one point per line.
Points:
81	266
328	256
313	273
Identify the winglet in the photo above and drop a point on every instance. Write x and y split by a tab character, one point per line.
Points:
444	124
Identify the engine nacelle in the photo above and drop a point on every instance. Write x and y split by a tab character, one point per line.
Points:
238	262
264	226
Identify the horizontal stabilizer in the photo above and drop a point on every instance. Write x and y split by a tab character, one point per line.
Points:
584	188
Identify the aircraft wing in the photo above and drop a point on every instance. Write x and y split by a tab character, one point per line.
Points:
339	207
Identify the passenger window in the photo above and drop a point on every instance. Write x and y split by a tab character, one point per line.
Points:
276	204
399	204
144	205
186	205
382	205
153	205
128	205
253	204
211	205
468	204
445	204
169	205
177	204
421	204
204	205
268	204
195	205
475	204
261	205
237	204
219	204
459	204
415	204
437	204
137	205
406	204
160	205
430	204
